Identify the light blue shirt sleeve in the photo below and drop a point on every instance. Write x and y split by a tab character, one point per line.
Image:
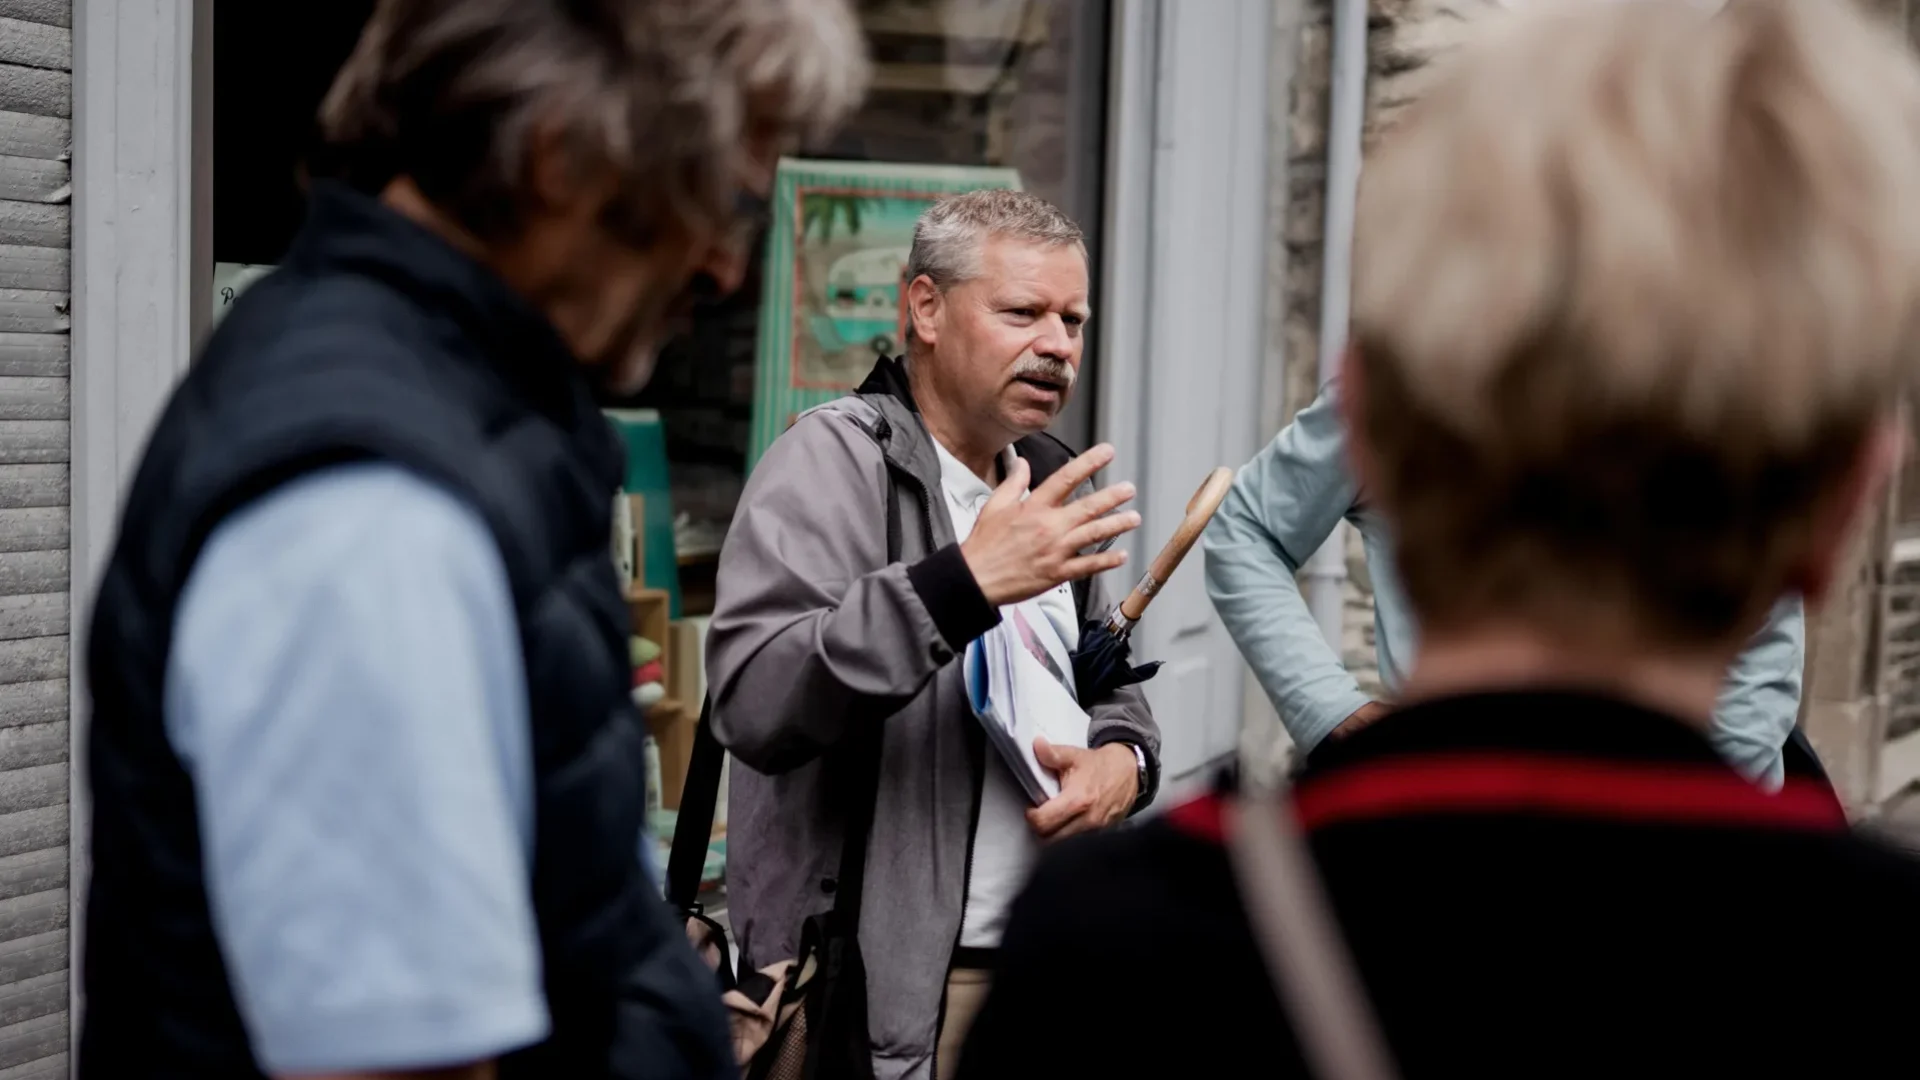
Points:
1761	701
1283	505
346	690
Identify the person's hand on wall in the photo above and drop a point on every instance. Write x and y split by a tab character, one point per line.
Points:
1097	788
1021	547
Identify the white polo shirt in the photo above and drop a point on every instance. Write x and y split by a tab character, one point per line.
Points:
1004	846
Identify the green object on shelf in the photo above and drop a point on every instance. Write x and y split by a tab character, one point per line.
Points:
641	651
646	443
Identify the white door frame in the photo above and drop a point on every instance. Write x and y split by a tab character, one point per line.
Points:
141	228
1184	322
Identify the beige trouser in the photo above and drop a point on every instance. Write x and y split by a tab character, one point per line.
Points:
966	990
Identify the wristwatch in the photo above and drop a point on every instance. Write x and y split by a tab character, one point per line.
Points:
1140	759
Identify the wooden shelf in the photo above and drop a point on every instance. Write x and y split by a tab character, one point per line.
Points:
648	608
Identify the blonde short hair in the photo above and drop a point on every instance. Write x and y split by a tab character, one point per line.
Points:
665	93
1634	283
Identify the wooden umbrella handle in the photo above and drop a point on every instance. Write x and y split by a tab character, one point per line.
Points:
1199	511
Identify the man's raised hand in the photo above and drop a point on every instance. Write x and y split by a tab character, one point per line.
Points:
1020	548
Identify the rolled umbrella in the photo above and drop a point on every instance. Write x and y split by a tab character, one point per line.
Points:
1104	661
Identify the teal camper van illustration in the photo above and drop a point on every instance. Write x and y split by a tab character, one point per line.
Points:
866	302
833	288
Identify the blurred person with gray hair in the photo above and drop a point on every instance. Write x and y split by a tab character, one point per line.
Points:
366	781
880	535
1635	295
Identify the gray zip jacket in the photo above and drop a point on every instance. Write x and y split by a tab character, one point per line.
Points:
814	635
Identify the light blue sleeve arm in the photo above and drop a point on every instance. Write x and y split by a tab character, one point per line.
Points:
346	690
1761	699
1282	507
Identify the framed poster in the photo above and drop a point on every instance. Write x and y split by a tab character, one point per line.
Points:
833	297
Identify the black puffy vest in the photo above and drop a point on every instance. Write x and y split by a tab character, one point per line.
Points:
376	340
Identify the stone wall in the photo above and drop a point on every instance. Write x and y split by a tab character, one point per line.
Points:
1404	36
1304	102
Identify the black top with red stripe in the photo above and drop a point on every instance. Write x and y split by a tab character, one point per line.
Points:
1532	885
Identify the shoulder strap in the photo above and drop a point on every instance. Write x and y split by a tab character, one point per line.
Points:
1300	940
693	827
1045	455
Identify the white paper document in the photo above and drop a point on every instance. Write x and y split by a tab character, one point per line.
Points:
1020	684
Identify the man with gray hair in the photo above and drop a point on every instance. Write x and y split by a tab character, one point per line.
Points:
367	793
877	538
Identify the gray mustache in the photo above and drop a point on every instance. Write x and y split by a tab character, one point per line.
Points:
1050	370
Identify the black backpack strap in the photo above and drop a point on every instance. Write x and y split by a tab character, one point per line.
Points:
693	826
1045	455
